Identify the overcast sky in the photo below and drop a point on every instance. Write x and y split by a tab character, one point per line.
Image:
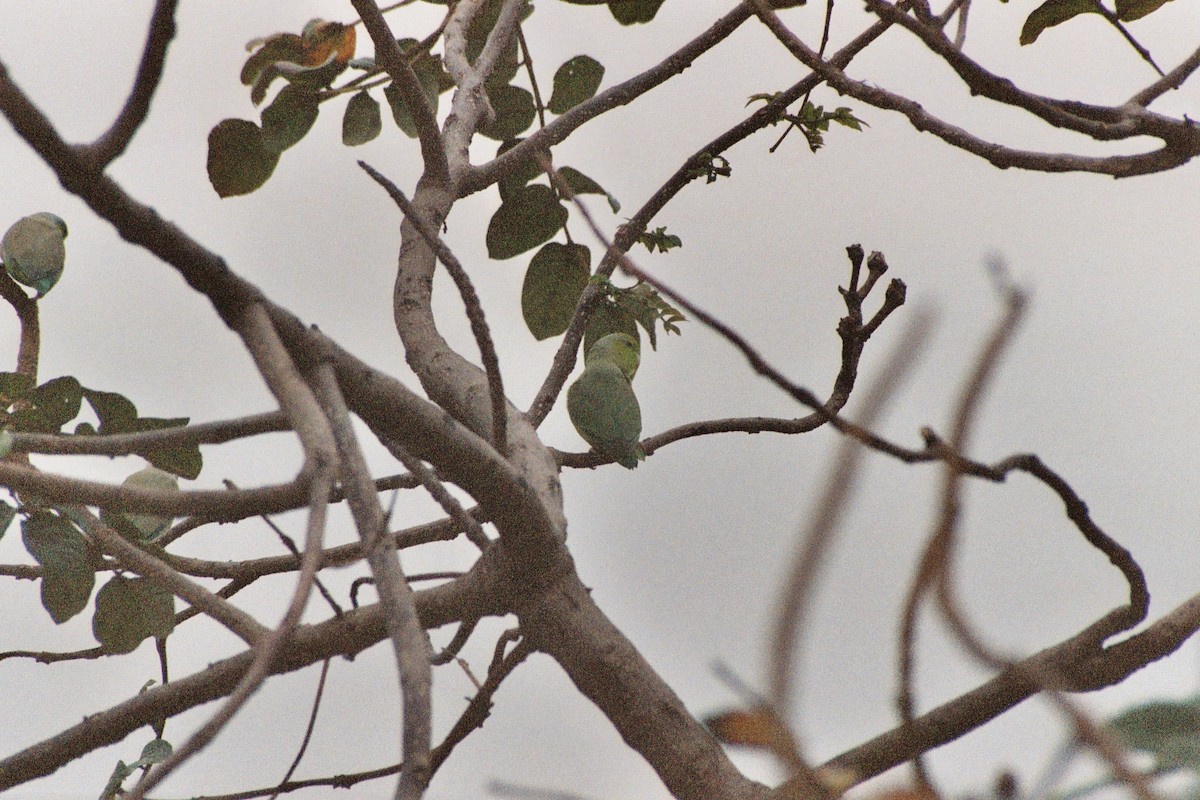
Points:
687	552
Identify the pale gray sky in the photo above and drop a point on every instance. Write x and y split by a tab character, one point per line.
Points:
687	552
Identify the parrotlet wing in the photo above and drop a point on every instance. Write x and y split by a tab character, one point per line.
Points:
606	413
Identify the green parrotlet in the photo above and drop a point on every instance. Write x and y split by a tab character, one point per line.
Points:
32	251
601	401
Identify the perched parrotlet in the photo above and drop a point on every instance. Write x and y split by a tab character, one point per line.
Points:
33	252
601	402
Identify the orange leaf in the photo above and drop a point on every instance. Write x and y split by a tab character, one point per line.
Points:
757	728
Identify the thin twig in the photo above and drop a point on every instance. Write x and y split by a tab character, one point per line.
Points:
120	444
308	729
112	143
287	542
1181	140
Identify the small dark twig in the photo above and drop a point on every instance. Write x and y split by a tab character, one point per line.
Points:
457	643
480	707
291	547
308	730
112	143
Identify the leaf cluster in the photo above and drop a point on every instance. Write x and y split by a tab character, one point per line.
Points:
48	408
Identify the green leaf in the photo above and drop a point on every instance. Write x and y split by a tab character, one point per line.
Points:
289	117
843	115
433	80
362	121
646	305
630	12
529	216
659	239
575	81
1129	10
185	461
514	112
526	171
130	610
52	405
118	415
582	184
116	412
710	167
607	318
556	277
7	513
1168	730
67	577
238	162
1051	13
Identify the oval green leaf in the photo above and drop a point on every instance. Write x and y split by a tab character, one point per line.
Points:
128	611
67	578
522	174
289	117
238	162
1051	13
582	184
631	12
575	81
362	121
556	277
529	216
514	112
1129	10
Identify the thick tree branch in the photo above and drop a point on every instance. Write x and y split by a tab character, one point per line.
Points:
609	671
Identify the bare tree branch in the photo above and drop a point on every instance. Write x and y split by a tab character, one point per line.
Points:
1181	142
112	143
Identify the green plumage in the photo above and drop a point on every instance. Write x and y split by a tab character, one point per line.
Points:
32	251
601	402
